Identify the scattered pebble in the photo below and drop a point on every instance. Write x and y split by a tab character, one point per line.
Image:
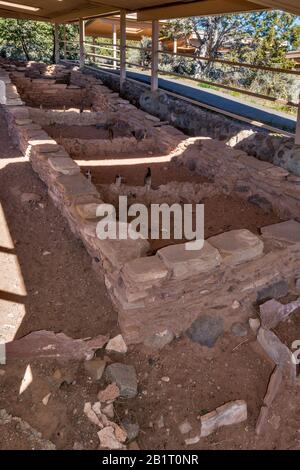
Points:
45	400
192	440
185	427
165	379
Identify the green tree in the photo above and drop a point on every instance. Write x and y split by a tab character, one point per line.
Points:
31	40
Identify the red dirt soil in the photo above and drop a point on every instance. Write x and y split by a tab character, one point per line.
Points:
64	294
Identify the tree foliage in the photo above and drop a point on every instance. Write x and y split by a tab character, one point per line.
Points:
261	38
30	40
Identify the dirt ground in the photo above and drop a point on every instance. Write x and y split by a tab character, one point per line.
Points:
64	295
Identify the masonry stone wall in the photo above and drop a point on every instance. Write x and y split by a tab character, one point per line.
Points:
171	289
196	121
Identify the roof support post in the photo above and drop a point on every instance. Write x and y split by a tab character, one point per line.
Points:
81	43
155	50
114	41
56	43
297	136
122	48
175	45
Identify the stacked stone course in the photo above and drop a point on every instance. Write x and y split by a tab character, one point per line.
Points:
169	290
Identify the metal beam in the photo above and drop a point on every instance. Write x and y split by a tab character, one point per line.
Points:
88	12
20	15
199	8
122	48
155	51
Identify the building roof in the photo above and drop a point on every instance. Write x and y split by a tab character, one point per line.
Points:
71	10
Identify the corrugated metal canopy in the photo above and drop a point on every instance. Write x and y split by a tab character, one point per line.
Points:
71	10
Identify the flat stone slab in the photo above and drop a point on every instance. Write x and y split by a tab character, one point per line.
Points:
206	330
125	378
231	413
288	231
75	185
186	263
150	268
278	352
64	165
119	252
237	246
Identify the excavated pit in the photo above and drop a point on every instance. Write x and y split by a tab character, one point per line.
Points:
155	284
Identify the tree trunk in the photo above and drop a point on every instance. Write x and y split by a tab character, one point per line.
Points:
24	45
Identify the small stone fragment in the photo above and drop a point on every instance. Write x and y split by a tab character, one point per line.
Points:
262	419
273	312
160	423
108	439
254	324
159	340
109	394
95	368
231	413
274	291
192	440
91	415
185	427
117	344
132	429
239	329
46	399
108	410
273	386
125	378
278	352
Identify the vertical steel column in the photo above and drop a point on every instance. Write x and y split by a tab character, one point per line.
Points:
155	49
81	43
114	41
122	48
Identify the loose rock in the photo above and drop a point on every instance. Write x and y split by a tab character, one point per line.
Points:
109	394
159	340
185	427
125	378
278	352
239	329
273	312
132	429
95	368
108	410
254	324
206	330
231	413
192	440
108	439
117	344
